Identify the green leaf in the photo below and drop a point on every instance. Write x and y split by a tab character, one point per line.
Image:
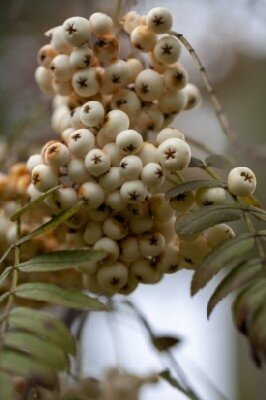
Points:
4	296
247	303
50	225
30	205
54	294
219	258
5	274
164	343
60	260
191	185
47	353
196	162
242	274
6	387
32	370
218	161
44	324
205	217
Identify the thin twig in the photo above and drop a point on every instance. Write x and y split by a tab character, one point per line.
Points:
221	116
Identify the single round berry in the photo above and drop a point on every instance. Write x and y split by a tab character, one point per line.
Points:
167	49
159	20
241	181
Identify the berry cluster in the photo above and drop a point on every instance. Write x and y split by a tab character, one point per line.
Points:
116	154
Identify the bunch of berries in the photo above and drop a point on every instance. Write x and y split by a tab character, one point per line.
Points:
115	152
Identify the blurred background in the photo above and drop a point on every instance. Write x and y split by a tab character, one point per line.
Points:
230	38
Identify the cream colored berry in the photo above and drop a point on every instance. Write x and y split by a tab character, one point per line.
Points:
57	155
175	77
130	286
144	272
241	181
218	234
44	177
97	162
75	121
77	172
115	228
130	21
86	82
61	68
45	55
166	228
148	153
115	202
102	139
159	20
101	24
160	207
33	193
76	31
116	74
34	160
93	232
91	283
149	85
193	96
137	210
108	246
138	226
135	66
63	198
168	259
112	277
81	57
58	41
155	64
92	113
142	39
133	192
174	154
100	213
150	118
151	244
152	175
129	249
173	102
115	122
81	142
129	141
130	167
192	253
63	88
210	196
167	49
183	201
168	133
43	78
112	150
91	194
111	180
74	240
127	101
106	48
